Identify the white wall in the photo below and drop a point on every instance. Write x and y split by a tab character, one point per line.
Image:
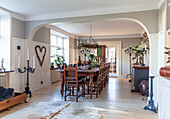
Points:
126	63
41	73
71	50
154	65
18	80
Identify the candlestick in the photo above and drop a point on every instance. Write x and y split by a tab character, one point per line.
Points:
129	50
27	69
33	62
27	53
18	61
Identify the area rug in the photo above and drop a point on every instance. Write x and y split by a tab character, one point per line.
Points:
57	110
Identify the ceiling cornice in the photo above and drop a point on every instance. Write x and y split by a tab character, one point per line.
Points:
60	31
18	16
15	15
111	36
160	3
91	13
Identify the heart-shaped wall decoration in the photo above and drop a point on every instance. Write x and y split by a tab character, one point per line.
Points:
37	47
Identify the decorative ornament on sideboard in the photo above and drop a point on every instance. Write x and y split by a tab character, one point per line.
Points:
2	65
168	53
41	51
140	50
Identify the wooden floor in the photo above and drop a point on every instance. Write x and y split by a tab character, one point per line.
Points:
115	102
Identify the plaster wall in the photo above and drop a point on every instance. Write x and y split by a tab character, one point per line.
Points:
18	80
148	18
18	28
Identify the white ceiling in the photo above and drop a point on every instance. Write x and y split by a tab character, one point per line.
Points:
103	28
44	9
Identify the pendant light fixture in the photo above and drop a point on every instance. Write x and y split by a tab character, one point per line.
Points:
90	42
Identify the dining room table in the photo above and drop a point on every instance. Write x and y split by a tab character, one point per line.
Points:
82	71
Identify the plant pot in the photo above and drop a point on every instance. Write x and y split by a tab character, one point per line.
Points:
58	65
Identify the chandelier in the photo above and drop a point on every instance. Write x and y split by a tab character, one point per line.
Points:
90	42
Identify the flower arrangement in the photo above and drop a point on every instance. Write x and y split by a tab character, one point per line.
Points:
93	62
140	49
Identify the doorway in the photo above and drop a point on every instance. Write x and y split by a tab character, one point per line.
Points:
112	60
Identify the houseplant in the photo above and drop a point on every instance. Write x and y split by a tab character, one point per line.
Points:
140	51
59	60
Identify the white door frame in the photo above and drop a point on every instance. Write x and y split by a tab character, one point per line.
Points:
117	45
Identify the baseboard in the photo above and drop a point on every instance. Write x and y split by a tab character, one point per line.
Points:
34	88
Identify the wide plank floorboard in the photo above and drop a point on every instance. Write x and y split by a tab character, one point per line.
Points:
115	102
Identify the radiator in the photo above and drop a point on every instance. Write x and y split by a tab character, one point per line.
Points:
4	80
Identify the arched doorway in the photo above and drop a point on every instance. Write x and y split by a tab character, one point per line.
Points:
128	19
114	19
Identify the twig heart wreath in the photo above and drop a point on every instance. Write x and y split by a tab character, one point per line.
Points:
37	47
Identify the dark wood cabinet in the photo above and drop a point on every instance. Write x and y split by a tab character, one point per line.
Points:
139	73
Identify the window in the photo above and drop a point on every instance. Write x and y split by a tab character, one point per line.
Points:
5	30
59	46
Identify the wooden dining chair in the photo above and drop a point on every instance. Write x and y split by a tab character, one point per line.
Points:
72	81
97	83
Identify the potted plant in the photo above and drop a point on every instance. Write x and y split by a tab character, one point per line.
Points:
59	60
140	51
52	64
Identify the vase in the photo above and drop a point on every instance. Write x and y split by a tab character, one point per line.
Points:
143	87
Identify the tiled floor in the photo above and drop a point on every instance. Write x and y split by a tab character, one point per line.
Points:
115	102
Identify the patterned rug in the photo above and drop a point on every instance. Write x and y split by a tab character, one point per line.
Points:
57	110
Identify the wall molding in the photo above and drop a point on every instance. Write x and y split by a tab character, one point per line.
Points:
13	14
112	36
93	12
160	3
18	16
52	27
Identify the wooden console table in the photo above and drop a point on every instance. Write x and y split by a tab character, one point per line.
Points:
139	73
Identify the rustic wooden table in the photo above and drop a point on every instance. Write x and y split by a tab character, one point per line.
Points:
81	72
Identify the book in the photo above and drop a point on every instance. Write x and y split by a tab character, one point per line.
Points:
165	72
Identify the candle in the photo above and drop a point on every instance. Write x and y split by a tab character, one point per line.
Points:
18	61
27	53
33	62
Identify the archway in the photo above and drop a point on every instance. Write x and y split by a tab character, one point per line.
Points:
113	19
130	19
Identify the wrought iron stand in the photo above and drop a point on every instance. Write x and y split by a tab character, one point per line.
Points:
150	105
129	50
29	70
